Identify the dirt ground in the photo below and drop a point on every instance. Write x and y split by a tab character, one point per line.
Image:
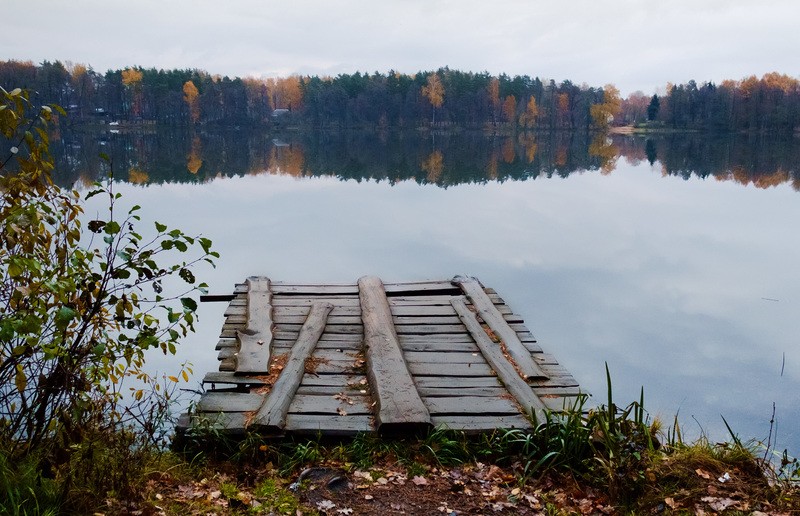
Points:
474	489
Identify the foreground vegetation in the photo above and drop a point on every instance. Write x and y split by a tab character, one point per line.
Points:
608	460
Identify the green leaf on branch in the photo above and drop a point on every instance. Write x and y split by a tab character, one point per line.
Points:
64	316
189	304
112	228
121	274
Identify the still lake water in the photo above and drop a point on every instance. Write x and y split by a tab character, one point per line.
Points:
675	259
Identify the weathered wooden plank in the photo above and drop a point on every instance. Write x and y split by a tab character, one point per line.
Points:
229	402
280	318
446	357
271	415
406	329
334	367
225	343
430	392
423	369
494	356
556	379
456	382
255	341
324	343
481	424
450	356
478	406
298	318
342	403
330	329
452	337
420	286
558	390
338	380
554	369
239	303
335	354
420	300
284	288
302	301
329	425
425	329
237	309
343	337
439	347
331	390
521	356
232	423
342	300
399	405
232	379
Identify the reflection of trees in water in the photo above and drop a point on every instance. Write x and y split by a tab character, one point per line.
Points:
760	160
161	155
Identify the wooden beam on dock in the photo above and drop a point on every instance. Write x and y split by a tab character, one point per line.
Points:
399	405
493	354
255	341
271	416
492	317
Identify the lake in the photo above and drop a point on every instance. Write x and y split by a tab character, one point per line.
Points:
673	259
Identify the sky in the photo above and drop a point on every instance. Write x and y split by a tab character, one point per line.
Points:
634	44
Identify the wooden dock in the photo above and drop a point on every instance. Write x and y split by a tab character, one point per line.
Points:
373	357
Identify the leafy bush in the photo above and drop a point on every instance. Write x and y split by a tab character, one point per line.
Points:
79	308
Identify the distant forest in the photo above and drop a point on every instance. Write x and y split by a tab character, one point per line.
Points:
440	99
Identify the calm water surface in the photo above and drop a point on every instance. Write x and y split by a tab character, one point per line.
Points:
683	283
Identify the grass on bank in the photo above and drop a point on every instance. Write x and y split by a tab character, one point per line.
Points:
616	451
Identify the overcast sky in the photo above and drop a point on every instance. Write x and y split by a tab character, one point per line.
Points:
635	44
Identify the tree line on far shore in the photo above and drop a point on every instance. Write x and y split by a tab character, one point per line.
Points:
443	98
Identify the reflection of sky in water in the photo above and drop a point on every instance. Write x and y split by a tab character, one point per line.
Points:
662	278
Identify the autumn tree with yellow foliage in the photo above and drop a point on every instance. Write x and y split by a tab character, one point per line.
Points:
190	95
603	114
434	92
